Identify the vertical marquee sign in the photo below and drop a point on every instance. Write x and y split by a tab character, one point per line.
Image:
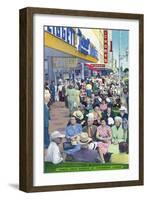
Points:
105	46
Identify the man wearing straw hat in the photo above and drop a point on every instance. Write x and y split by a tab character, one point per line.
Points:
85	154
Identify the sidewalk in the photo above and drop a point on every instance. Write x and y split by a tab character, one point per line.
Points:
59	117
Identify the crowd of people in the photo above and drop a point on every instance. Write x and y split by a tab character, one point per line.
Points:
97	130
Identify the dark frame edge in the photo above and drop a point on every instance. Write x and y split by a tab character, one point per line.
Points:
85	13
85	186
141	100
25	102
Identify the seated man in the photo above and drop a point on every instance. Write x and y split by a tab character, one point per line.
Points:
90	128
54	154
122	157
85	154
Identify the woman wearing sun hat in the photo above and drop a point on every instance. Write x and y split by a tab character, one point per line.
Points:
79	116
88	89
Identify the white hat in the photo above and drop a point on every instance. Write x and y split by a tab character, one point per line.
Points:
110	121
90	116
123	108
108	100
56	134
100	99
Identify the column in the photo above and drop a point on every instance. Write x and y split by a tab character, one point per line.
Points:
82	71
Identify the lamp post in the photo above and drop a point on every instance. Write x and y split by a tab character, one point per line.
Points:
119	71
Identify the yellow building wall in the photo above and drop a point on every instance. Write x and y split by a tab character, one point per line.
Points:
99	33
53	42
96	36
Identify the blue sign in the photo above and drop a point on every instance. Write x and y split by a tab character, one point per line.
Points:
68	35
93	52
83	46
65	33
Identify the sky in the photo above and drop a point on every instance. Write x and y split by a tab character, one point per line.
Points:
123	43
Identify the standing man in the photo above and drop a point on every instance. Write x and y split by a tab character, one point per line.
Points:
47	97
52	89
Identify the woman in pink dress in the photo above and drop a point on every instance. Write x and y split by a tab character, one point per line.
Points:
104	136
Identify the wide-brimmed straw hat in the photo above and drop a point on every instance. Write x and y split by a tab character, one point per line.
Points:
84	139
78	114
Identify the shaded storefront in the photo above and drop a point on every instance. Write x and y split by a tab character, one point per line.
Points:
65	52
